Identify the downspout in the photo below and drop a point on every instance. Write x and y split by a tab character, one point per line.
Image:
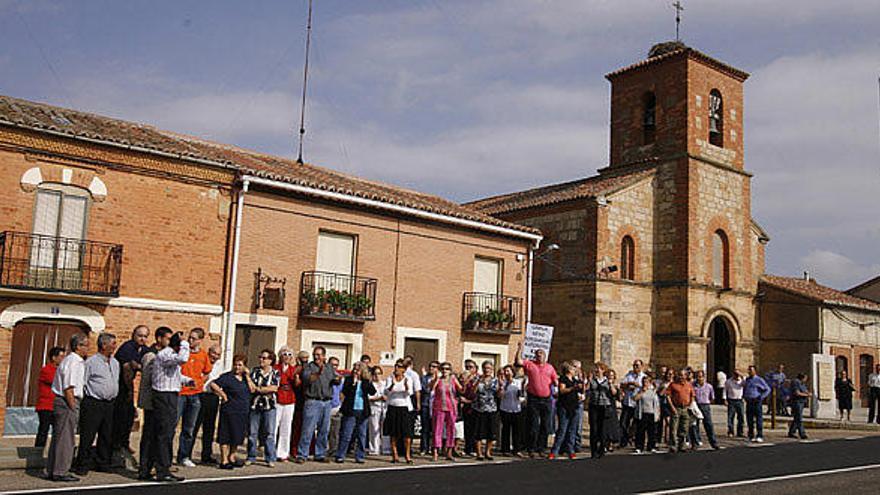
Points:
233	279
534	247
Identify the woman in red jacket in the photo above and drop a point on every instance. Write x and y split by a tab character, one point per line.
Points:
46	397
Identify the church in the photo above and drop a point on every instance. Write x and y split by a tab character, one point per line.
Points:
657	257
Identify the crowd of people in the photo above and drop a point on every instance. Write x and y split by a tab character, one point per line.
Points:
292	407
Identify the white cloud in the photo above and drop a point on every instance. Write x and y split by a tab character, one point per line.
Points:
836	270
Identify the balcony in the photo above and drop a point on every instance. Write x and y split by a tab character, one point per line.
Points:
491	313
59	264
337	296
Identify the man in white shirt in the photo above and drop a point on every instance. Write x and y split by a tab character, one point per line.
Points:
68	389
631	385
874	394
733	398
167	379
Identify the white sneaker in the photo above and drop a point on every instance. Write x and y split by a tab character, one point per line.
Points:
188	463
638	451
759	440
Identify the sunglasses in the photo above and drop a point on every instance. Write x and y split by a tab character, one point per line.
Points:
265	357
287	354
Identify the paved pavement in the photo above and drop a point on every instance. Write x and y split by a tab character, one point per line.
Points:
621	472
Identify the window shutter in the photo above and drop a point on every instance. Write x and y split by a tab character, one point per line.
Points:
335	253
45	223
487	276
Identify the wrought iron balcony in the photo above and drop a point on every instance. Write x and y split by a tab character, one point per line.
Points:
337	296
491	313
59	264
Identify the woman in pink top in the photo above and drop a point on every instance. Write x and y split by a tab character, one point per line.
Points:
445	388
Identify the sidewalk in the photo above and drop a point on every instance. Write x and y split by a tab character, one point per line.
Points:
31	478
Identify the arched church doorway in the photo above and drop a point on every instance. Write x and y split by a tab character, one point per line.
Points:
720	353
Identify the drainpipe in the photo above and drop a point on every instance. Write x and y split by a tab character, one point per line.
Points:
230	306
534	247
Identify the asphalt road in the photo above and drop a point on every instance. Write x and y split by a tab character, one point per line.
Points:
689	472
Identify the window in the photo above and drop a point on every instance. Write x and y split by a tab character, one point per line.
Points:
720	260
627	258
487	276
336	253
60	214
716	118
649	118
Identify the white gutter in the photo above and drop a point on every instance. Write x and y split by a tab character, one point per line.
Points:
534	247
348	198
230	308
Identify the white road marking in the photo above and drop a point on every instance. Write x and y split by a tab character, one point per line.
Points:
853	438
77	488
762	480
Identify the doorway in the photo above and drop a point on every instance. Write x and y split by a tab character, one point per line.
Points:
31	342
342	352
866	367
720	352
423	351
250	340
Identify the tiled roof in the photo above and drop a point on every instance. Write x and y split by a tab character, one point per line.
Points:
594	186
865	284
817	292
82	125
687	51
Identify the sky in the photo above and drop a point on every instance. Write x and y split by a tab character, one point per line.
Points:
472	98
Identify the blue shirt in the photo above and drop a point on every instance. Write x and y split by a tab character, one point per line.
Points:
755	388
130	351
237	391
335	401
358	399
775	378
798	386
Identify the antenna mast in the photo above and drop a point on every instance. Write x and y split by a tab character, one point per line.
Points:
302	112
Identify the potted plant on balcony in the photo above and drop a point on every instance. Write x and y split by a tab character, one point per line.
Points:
346	303
361	304
310	301
334	298
508	320
495	318
475	320
323	298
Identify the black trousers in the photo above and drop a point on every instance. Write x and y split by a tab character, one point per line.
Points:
165	416
597	430
95	419
470	430
46	419
627	415
207	422
148	444
540	415
123	417
644	426
512	427
873	400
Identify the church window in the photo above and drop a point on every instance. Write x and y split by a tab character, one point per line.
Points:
716	118
720	260
627	258
649	118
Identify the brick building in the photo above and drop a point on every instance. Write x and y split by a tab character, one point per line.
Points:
799	317
869	289
658	256
108	224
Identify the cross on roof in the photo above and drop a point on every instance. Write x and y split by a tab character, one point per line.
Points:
679	8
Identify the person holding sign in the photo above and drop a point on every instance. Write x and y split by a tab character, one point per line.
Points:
541	375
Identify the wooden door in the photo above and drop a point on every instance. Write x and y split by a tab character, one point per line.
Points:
250	340
31	342
423	351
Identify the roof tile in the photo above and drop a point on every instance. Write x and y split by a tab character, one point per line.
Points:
817	292
40	117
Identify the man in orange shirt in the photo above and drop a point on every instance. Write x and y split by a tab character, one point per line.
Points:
198	367
681	393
